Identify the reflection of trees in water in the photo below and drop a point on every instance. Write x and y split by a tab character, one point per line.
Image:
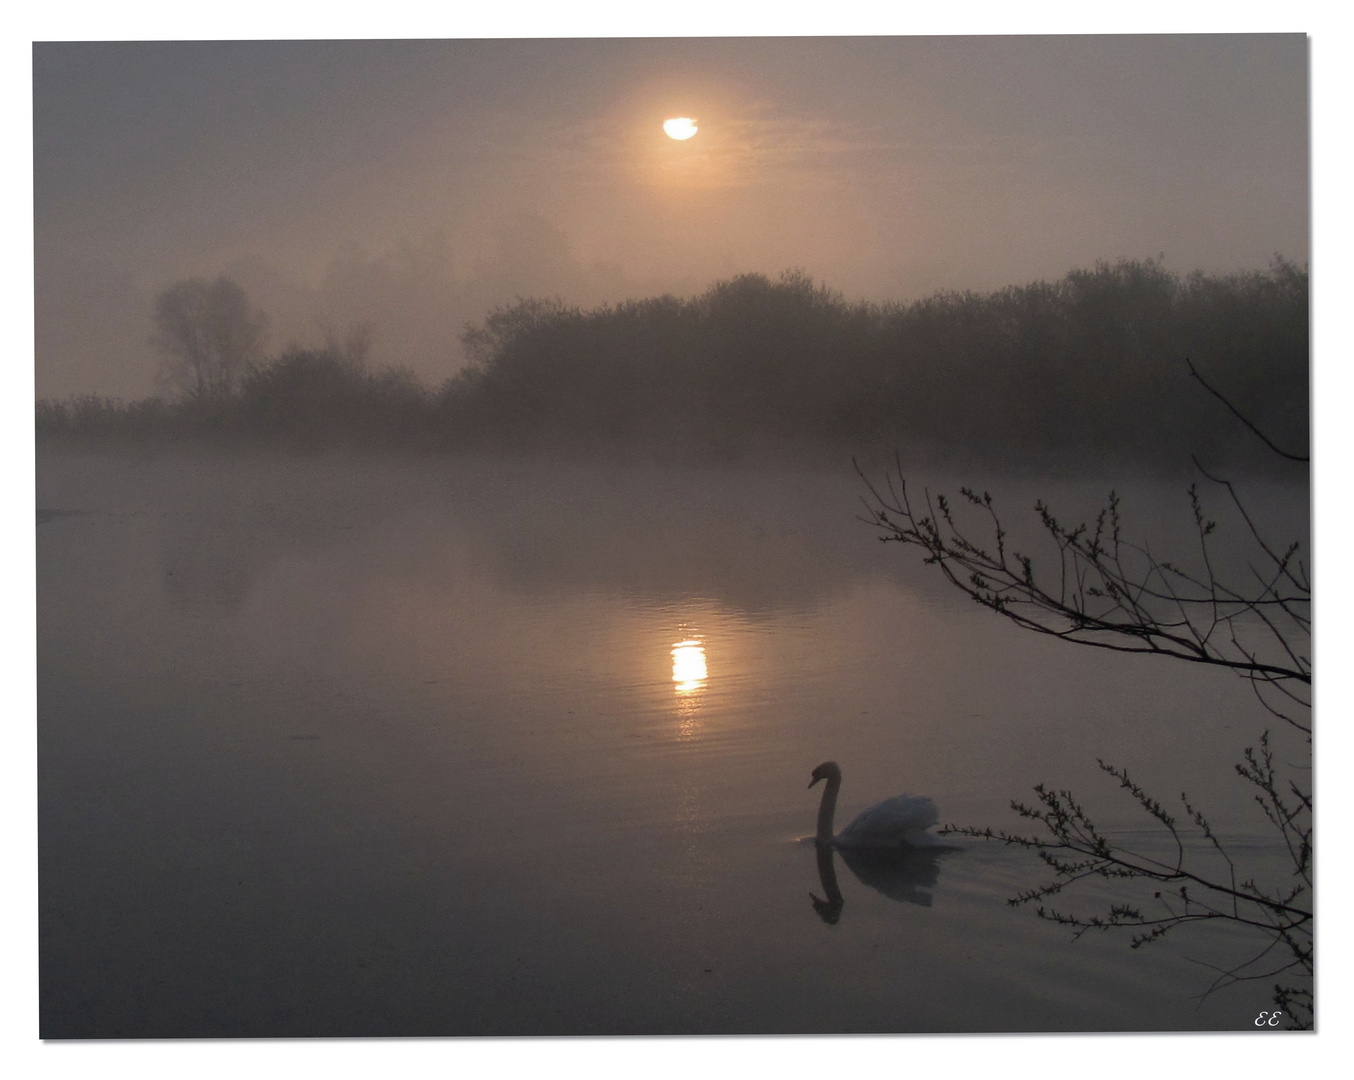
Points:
216	556
542	529
674	533
736	563
224	525
203	564
903	875
539	529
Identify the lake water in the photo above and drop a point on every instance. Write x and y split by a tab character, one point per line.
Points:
337	746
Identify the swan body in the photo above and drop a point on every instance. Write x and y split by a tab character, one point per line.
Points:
895	824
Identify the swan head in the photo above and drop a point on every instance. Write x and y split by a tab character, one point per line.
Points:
828	770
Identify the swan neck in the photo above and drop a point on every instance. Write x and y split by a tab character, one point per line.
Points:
827	808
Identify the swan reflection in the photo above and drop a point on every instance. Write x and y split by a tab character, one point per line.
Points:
901	875
830	909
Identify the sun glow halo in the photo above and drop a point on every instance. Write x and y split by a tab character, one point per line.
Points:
680	128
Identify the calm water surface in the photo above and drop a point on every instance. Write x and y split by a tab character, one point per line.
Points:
344	747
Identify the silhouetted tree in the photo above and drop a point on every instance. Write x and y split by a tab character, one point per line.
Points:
352	346
1107	592
208	333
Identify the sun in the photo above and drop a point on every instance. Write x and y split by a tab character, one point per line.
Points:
680	128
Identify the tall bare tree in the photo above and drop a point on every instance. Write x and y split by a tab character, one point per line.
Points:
207	332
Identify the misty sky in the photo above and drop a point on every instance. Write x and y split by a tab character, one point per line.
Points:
414	185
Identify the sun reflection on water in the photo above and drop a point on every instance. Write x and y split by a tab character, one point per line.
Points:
689	676
688	666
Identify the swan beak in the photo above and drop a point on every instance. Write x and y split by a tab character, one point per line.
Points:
814	780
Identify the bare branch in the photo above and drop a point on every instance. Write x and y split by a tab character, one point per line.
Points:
1109	593
1115	595
1237	413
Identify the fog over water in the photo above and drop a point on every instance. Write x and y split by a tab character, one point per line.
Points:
334	746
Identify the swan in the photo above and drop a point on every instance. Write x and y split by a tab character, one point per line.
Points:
897	824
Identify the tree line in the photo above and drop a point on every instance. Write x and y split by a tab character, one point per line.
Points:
1089	367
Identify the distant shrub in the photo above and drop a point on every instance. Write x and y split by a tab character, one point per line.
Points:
321	396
